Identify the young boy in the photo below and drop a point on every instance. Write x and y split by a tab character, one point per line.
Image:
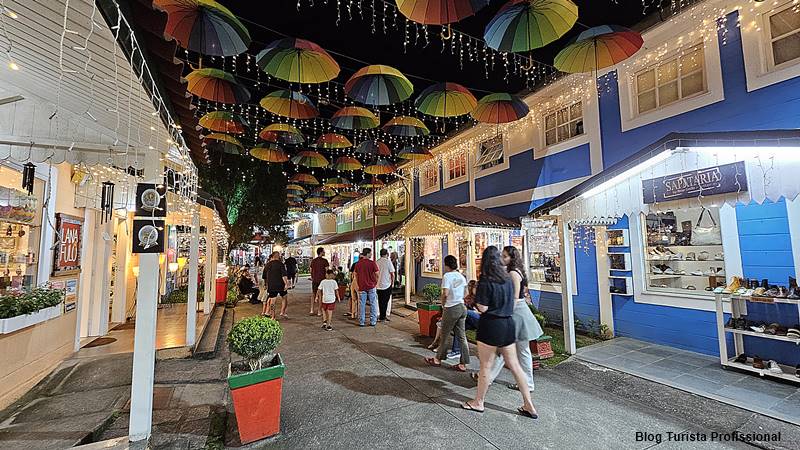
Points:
327	295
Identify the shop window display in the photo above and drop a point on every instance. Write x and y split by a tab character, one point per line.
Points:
432	255
19	235
543	250
684	251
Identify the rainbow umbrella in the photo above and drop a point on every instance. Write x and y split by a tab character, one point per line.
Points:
380	167
347	163
500	108
338	183
297	61
598	48
310	158
406	126
282	133
333	140
439	12
524	25
224	143
217	86
371	183
223	121
338	200
295	189
378	85
354	118
373	147
270	153
304	178
324	191
291	104
350	194
414	153
316	200
205	27
446	100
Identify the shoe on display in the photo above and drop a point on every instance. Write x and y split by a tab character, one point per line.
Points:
793	293
709	288
718	290
719	256
731	323
680	272
758	363
793	332
691	288
774	367
734	285
782	292
691	256
656	270
758	328
765	283
742	359
677	257
759	292
792	282
797	371
669	271
741	323
772	329
772	292
747	293
697	273
702	256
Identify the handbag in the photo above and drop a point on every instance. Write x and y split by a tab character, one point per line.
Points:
702	235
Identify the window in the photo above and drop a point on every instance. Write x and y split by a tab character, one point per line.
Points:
432	255
430	178
20	228
490	153
456	167
670	81
563	124
340	218
369	212
784	35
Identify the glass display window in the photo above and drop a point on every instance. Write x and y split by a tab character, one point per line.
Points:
20	231
544	262
684	251
432	256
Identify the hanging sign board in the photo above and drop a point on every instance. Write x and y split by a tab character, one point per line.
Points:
151	200
383	211
715	180
149	236
67	258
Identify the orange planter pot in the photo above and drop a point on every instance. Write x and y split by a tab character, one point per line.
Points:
257	401
428	313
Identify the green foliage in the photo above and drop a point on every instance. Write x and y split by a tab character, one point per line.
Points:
255	339
29	302
342	279
232	297
431	292
539	315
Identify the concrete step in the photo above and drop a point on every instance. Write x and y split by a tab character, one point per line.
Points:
206	346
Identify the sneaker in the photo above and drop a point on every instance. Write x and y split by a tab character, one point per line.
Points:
691	256
452	355
774	367
719	256
691	288
697	273
656	270
758	328
669	271
797	371
680	272
329	328
324	325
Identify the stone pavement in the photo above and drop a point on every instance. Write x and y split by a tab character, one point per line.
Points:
370	388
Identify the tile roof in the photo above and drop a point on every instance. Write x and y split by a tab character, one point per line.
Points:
364	234
468	216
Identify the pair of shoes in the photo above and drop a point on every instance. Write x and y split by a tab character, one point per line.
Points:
793	332
741	359
758	363
733	286
758	328
774	367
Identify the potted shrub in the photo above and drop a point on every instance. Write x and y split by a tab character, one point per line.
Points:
256	382
429	310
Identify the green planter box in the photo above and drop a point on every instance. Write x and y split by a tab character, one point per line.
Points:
275	370
429	306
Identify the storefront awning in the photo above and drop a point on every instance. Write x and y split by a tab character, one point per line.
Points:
364	234
430	220
770	168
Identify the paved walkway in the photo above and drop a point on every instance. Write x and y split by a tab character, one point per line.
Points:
370	388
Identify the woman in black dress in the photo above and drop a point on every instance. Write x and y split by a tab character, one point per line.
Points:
496	333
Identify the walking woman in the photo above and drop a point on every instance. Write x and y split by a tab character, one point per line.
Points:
496	333
454	315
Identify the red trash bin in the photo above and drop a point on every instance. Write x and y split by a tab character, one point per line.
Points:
222	290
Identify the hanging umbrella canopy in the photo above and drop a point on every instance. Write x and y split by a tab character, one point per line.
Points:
347	163
414	153
282	133
500	108
371	183
378	85
297	61
224	143
380	167
270	153
354	118
217	86
291	104
598	48
324	191
338	183
304	178
406	126
524	25
439	12
333	141
373	147
316	199
205	27
351	194
446	100
310	158
339	200
295	189
223	121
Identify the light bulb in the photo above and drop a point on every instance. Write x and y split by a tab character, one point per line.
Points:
13	66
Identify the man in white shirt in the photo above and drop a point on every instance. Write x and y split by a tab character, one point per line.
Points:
454	314
385	283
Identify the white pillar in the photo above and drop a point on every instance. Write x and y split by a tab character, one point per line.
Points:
105	239
120	305
604	293
85	279
472	273
191	303
567	310
408	268
211	279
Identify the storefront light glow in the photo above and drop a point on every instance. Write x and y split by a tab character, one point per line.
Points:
627	174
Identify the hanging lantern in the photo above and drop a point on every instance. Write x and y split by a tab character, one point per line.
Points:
107	201
28	171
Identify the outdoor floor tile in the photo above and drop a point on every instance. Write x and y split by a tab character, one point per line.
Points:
790	406
644	358
623	362
698	384
694	359
715	372
659	350
749	398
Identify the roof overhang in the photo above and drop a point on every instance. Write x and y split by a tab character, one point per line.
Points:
434	220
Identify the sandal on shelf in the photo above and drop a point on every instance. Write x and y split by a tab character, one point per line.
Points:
469	407
524	412
432	362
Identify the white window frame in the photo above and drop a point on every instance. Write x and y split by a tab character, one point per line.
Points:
368	212
757	50
768	39
554	112
425	189
446	170
678	80
496	168
440	240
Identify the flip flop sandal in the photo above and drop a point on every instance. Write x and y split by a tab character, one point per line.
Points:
523	412
469	407
457	368
432	362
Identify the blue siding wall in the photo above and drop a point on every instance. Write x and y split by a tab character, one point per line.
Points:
585	304
511	211
548	303
455	195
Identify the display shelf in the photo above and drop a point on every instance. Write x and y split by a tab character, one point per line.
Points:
705	261
658	276
618	238
763	335
619	261
790	301
788	371
625	285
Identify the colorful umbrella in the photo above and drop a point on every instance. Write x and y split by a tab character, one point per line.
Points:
338	183
414	153
223	121
324	191
291	104
439	12
373	147
354	118
297	61
333	140
378	85
295	189
338	200
205	27
224	143
371	183
406	126
446	100
316	200
598	48
347	163
304	178
282	133
500	108
350	194
380	167
524	25
270	153
310	158
217	86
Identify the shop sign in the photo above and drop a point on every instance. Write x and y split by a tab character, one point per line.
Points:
709	181
149	236
382	211
68	249
151	200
